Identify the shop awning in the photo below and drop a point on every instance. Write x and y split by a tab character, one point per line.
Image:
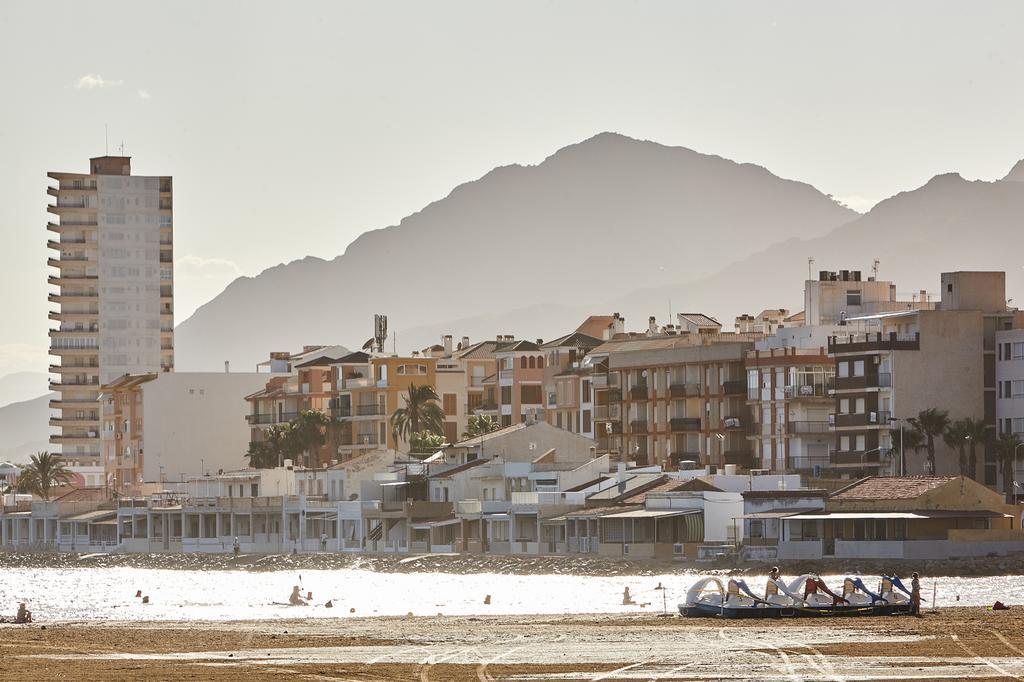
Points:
841	516
776	513
93	516
652	513
427	525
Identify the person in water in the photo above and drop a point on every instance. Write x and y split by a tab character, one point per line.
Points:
24	615
296	598
915	594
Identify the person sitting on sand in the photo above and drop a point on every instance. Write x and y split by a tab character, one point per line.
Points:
296	598
24	615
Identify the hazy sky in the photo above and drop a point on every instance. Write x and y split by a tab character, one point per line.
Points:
290	128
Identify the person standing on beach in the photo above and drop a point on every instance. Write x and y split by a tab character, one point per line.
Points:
915	594
236	547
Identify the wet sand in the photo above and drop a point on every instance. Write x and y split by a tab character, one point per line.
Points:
958	643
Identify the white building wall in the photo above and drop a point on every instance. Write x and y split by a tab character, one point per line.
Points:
193	416
128	232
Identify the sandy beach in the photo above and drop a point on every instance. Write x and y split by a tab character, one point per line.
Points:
954	643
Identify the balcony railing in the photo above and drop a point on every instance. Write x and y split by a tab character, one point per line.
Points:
738	387
798	428
372	410
353	439
877	341
640	392
809	391
680	424
638	426
602	412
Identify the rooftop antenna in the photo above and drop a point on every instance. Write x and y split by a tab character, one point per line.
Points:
106	140
122	147
874	269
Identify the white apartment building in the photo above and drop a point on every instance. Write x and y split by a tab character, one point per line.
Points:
114	291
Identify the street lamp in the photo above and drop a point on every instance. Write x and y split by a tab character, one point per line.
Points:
1016	447
903	461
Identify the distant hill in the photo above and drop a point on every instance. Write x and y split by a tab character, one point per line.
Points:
19	386
591	223
24	428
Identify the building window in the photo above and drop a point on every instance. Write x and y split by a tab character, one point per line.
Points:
843	369
844	443
858	368
522	362
530	394
853	298
532	363
1018	389
540	362
844	406
1018	351
449	400
586	421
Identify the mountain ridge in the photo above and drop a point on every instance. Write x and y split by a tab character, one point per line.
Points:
638	210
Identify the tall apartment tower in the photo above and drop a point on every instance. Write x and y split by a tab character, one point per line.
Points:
114	291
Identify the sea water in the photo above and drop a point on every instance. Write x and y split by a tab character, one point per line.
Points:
102	594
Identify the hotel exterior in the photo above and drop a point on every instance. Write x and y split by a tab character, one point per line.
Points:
113	277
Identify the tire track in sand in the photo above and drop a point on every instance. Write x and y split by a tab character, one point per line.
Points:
970	652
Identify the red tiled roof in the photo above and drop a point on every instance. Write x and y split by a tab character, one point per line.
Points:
81	495
891	488
669	486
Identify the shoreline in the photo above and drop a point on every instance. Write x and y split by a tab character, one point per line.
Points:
464	564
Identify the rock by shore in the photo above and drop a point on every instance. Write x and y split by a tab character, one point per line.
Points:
508	565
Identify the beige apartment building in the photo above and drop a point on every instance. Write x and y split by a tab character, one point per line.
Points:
911	360
465	381
114	291
674	395
167	426
789	391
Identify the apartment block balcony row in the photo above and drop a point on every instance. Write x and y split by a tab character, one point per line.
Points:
868	380
642	392
872	342
865	419
349	411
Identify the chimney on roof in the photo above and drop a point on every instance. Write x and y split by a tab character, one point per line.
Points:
540	342
446	341
227	366
652	325
465	342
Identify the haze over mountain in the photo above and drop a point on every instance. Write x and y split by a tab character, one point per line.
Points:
24	428
947	224
593	222
18	386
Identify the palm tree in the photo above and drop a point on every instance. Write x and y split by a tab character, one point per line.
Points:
977	433
422	412
309	431
43	472
912	439
1006	451
955	436
479	425
930	423
261	455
